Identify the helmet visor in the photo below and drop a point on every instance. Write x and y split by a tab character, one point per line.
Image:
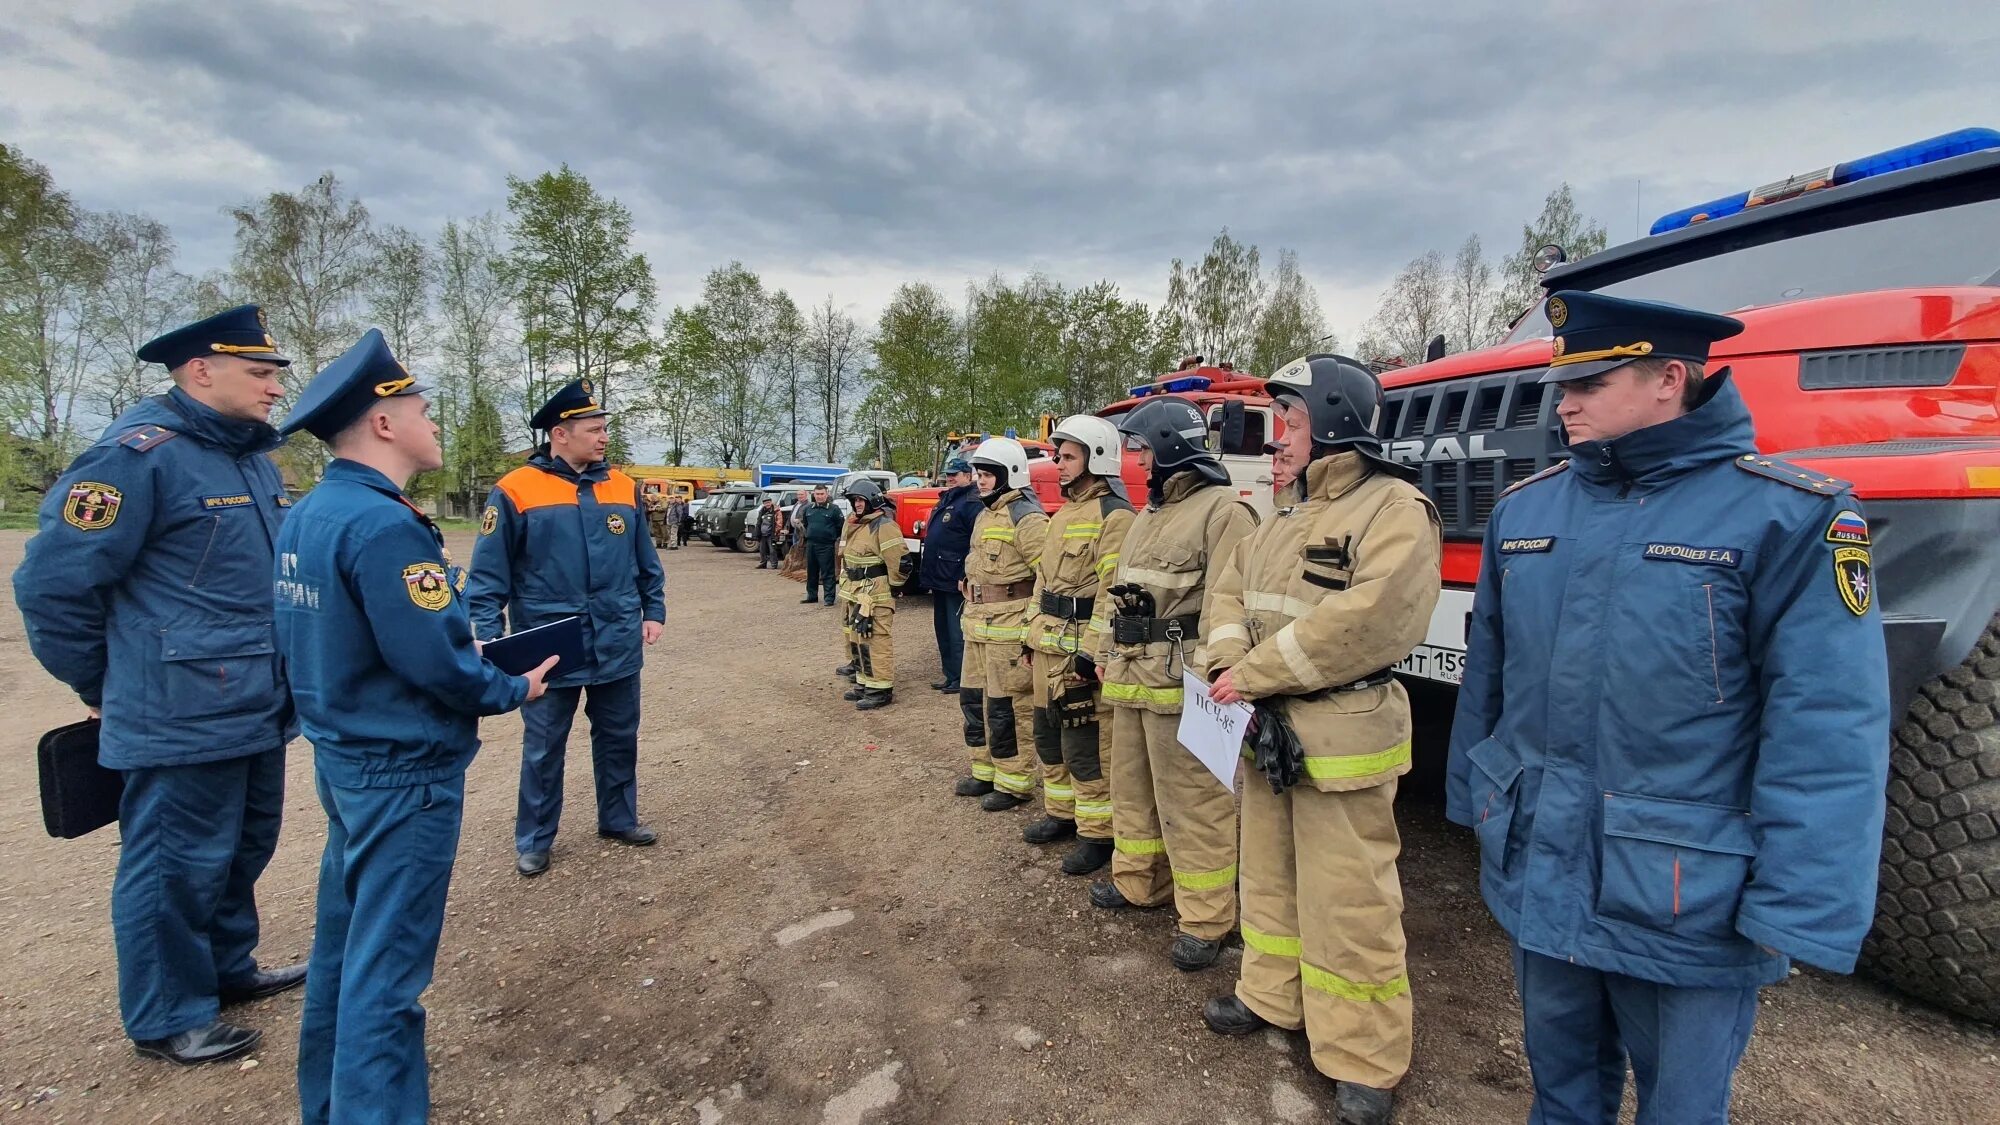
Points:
1134	443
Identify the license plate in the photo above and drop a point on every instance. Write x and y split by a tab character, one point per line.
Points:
1441	657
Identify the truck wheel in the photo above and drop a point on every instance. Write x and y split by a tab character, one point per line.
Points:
1937	913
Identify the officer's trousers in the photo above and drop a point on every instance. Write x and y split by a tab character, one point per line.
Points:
1173	825
193	840
819	570
1074	783
382	884
1582	1024
1323	925
995	687
613	710
872	650
947	625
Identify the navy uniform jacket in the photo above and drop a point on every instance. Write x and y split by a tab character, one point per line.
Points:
1673	735
148	590
556	543
377	642
948	537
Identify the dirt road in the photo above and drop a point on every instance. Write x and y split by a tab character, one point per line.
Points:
825	934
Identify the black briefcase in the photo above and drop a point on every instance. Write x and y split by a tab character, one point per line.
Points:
78	795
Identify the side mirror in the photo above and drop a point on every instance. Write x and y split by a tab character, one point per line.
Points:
1435	349
1232	426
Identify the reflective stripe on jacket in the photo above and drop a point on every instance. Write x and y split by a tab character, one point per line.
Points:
1007	542
1080	551
1173	551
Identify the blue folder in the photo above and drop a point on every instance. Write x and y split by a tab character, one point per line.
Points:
517	654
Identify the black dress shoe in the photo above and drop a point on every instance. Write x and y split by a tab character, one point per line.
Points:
1355	1104
1191	954
639	836
972	787
949	689
1226	1015
261	984
1048	830
215	1043
531	864
875	699
940	685
1088	855
828	601
1105	895
807	600
1000	801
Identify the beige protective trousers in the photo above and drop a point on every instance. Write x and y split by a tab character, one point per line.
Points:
1175	825
998	674
1323	925
1074	784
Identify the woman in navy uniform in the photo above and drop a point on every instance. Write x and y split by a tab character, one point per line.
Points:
390	686
148	593
1674	726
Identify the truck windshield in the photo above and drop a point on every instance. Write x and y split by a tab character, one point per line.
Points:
1948	246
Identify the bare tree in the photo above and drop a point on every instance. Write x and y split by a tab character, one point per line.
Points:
398	292
787	361
305	257
834	347
1413	310
1471	283
1290	324
142	296
50	273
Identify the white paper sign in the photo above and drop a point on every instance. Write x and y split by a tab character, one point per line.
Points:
1211	731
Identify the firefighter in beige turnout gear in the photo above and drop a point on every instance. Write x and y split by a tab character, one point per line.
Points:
1068	633
1307	619
1173	824
874	565
996	679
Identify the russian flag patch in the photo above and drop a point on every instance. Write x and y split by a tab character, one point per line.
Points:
1848	529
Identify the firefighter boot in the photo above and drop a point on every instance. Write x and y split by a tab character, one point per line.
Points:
1355	1104
846	669
1000	801
1048	830
1226	1015
875	698
1089	854
972	787
854	694
1105	895
1191	954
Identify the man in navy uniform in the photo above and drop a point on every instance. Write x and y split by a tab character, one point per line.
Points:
391	686
559	538
1674	727
947	540
148	593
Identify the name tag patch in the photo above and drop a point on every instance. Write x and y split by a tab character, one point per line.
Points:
212	503
1848	529
1527	546
1699	556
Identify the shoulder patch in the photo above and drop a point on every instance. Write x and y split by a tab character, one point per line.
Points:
429	585
145	439
1112	502
1545	474
1784	472
488	520
1848	529
1855	578
1023	506
91	505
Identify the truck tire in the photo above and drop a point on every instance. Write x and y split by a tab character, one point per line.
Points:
1937	912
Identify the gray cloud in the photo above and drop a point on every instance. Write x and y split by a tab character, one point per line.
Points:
944	142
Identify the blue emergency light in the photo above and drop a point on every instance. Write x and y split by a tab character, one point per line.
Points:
1173	386
1937	148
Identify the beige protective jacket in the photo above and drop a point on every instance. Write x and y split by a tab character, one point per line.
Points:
1006	544
875	541
1333	590
1084	539
1173	552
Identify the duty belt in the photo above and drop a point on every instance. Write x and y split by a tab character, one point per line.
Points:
1004	592
863	573
1128	630
1069	609
1371	680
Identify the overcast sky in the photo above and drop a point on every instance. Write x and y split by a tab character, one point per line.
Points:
843	147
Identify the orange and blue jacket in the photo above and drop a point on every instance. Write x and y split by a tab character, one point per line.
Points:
554	543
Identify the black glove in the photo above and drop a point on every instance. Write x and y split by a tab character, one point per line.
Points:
1085	667
906	564
1274	747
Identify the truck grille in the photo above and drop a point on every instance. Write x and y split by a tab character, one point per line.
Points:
1926	365
1473	438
